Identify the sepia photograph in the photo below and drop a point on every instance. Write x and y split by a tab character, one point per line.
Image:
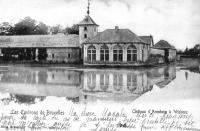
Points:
99	65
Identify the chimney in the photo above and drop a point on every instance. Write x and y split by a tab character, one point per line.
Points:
116	28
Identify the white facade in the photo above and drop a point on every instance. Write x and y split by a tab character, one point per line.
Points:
86	32
142	53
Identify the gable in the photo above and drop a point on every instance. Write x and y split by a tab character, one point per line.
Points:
116	36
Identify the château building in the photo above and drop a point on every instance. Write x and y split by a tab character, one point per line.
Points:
112	47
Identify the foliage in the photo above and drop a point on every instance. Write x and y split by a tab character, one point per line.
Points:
6	29
42	29
26	26
195	51
29	26
72	30
56	29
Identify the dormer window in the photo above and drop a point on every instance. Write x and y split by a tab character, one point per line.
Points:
85	35
85	28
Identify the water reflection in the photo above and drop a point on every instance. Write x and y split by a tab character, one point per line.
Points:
22	99
26	85
114	81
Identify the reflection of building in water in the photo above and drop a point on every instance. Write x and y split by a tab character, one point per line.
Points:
75	85
25	76
162	76
124	84
115	81
41	82
37	76
22	99
68	77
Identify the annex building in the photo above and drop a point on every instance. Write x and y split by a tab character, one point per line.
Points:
40	48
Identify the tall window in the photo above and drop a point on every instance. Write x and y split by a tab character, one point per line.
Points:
117	53
142	55
104	53
132	53
69	55
85	35
85	28
91	52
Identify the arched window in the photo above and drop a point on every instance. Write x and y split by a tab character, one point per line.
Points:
117	53
104	53
91	52
132	53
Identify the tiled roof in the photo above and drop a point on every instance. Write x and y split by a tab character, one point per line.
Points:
40	41
162	44
116	36
87	21
147	39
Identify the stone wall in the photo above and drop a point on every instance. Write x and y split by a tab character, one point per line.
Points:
66	55
172	55
155	51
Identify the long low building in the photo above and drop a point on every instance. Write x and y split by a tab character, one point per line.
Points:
51	48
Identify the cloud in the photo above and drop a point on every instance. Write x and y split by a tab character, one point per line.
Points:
69	1
176	21
148	8
108	3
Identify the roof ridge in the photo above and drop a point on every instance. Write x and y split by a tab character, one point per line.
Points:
166	44
37	35
136	35
111	35
88	21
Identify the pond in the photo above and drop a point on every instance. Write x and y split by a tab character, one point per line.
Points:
26	85
65	91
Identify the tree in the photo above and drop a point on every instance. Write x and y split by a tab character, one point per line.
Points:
72	30
41	29
56	29
6	29
186	50
27	26
195	51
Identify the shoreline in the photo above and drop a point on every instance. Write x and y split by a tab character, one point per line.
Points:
40	64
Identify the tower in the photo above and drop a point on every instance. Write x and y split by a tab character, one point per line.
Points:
87	27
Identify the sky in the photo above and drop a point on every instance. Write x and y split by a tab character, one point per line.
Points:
176	21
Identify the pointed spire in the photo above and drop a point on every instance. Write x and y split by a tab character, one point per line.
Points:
88	8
